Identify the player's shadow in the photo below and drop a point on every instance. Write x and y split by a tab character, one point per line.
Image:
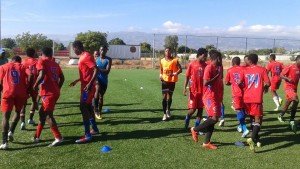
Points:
112	122
66	114
121	104
141	110
278	134
144	134
66	105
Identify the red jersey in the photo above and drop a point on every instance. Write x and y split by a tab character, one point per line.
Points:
195	72
30	63
254	79
86	66
293	73
50	84
13	77
275	68
211	90
234	76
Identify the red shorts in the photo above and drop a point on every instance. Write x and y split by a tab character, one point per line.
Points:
195	101
290	94
254	109
238	103
7	103
49	101
212	107
275	84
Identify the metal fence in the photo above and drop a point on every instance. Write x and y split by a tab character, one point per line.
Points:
224	43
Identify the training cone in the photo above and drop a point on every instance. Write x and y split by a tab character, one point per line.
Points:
106	110
105	149
239	144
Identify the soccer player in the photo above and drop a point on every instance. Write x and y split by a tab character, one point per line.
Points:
3	59
15	80
194	77
96	54
30	63
87	72
169	71
211	101
50	79
103	64
275	68
234	78
290	75
256	82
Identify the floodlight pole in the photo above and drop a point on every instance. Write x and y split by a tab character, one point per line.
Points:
153	51
0	24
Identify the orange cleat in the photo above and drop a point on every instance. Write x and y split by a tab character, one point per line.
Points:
209	146
194	134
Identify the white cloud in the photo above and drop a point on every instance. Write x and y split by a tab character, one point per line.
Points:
174	27
266	28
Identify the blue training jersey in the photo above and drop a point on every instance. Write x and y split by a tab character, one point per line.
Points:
102	64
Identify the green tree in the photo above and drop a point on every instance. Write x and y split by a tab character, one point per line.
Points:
210	47
145	47
8	43
183	49
116	41
92	40
36	41
193	50
171	41
279	50
59	46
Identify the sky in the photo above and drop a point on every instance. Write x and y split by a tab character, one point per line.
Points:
275	18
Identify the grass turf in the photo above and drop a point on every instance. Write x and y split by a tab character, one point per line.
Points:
138	137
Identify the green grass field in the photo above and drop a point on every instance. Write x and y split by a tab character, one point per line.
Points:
138	137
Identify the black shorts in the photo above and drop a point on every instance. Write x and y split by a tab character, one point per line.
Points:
167	87
102	87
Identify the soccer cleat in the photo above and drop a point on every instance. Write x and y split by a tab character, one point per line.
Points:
194	134
204	119
56	142
251	144
23	127
168	114
93	132
36	140
84	139
232	108
293	126
4	146
280	101
221	123
280	119
239	129
258	144
201	133
164	117
31	121
245	133
10	136
209	146
98	115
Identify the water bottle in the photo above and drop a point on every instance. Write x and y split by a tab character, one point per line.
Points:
85	96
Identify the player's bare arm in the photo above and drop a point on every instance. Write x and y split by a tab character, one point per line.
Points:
74	82
179	70
61	80
185	86
39	80
89	85
108	67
